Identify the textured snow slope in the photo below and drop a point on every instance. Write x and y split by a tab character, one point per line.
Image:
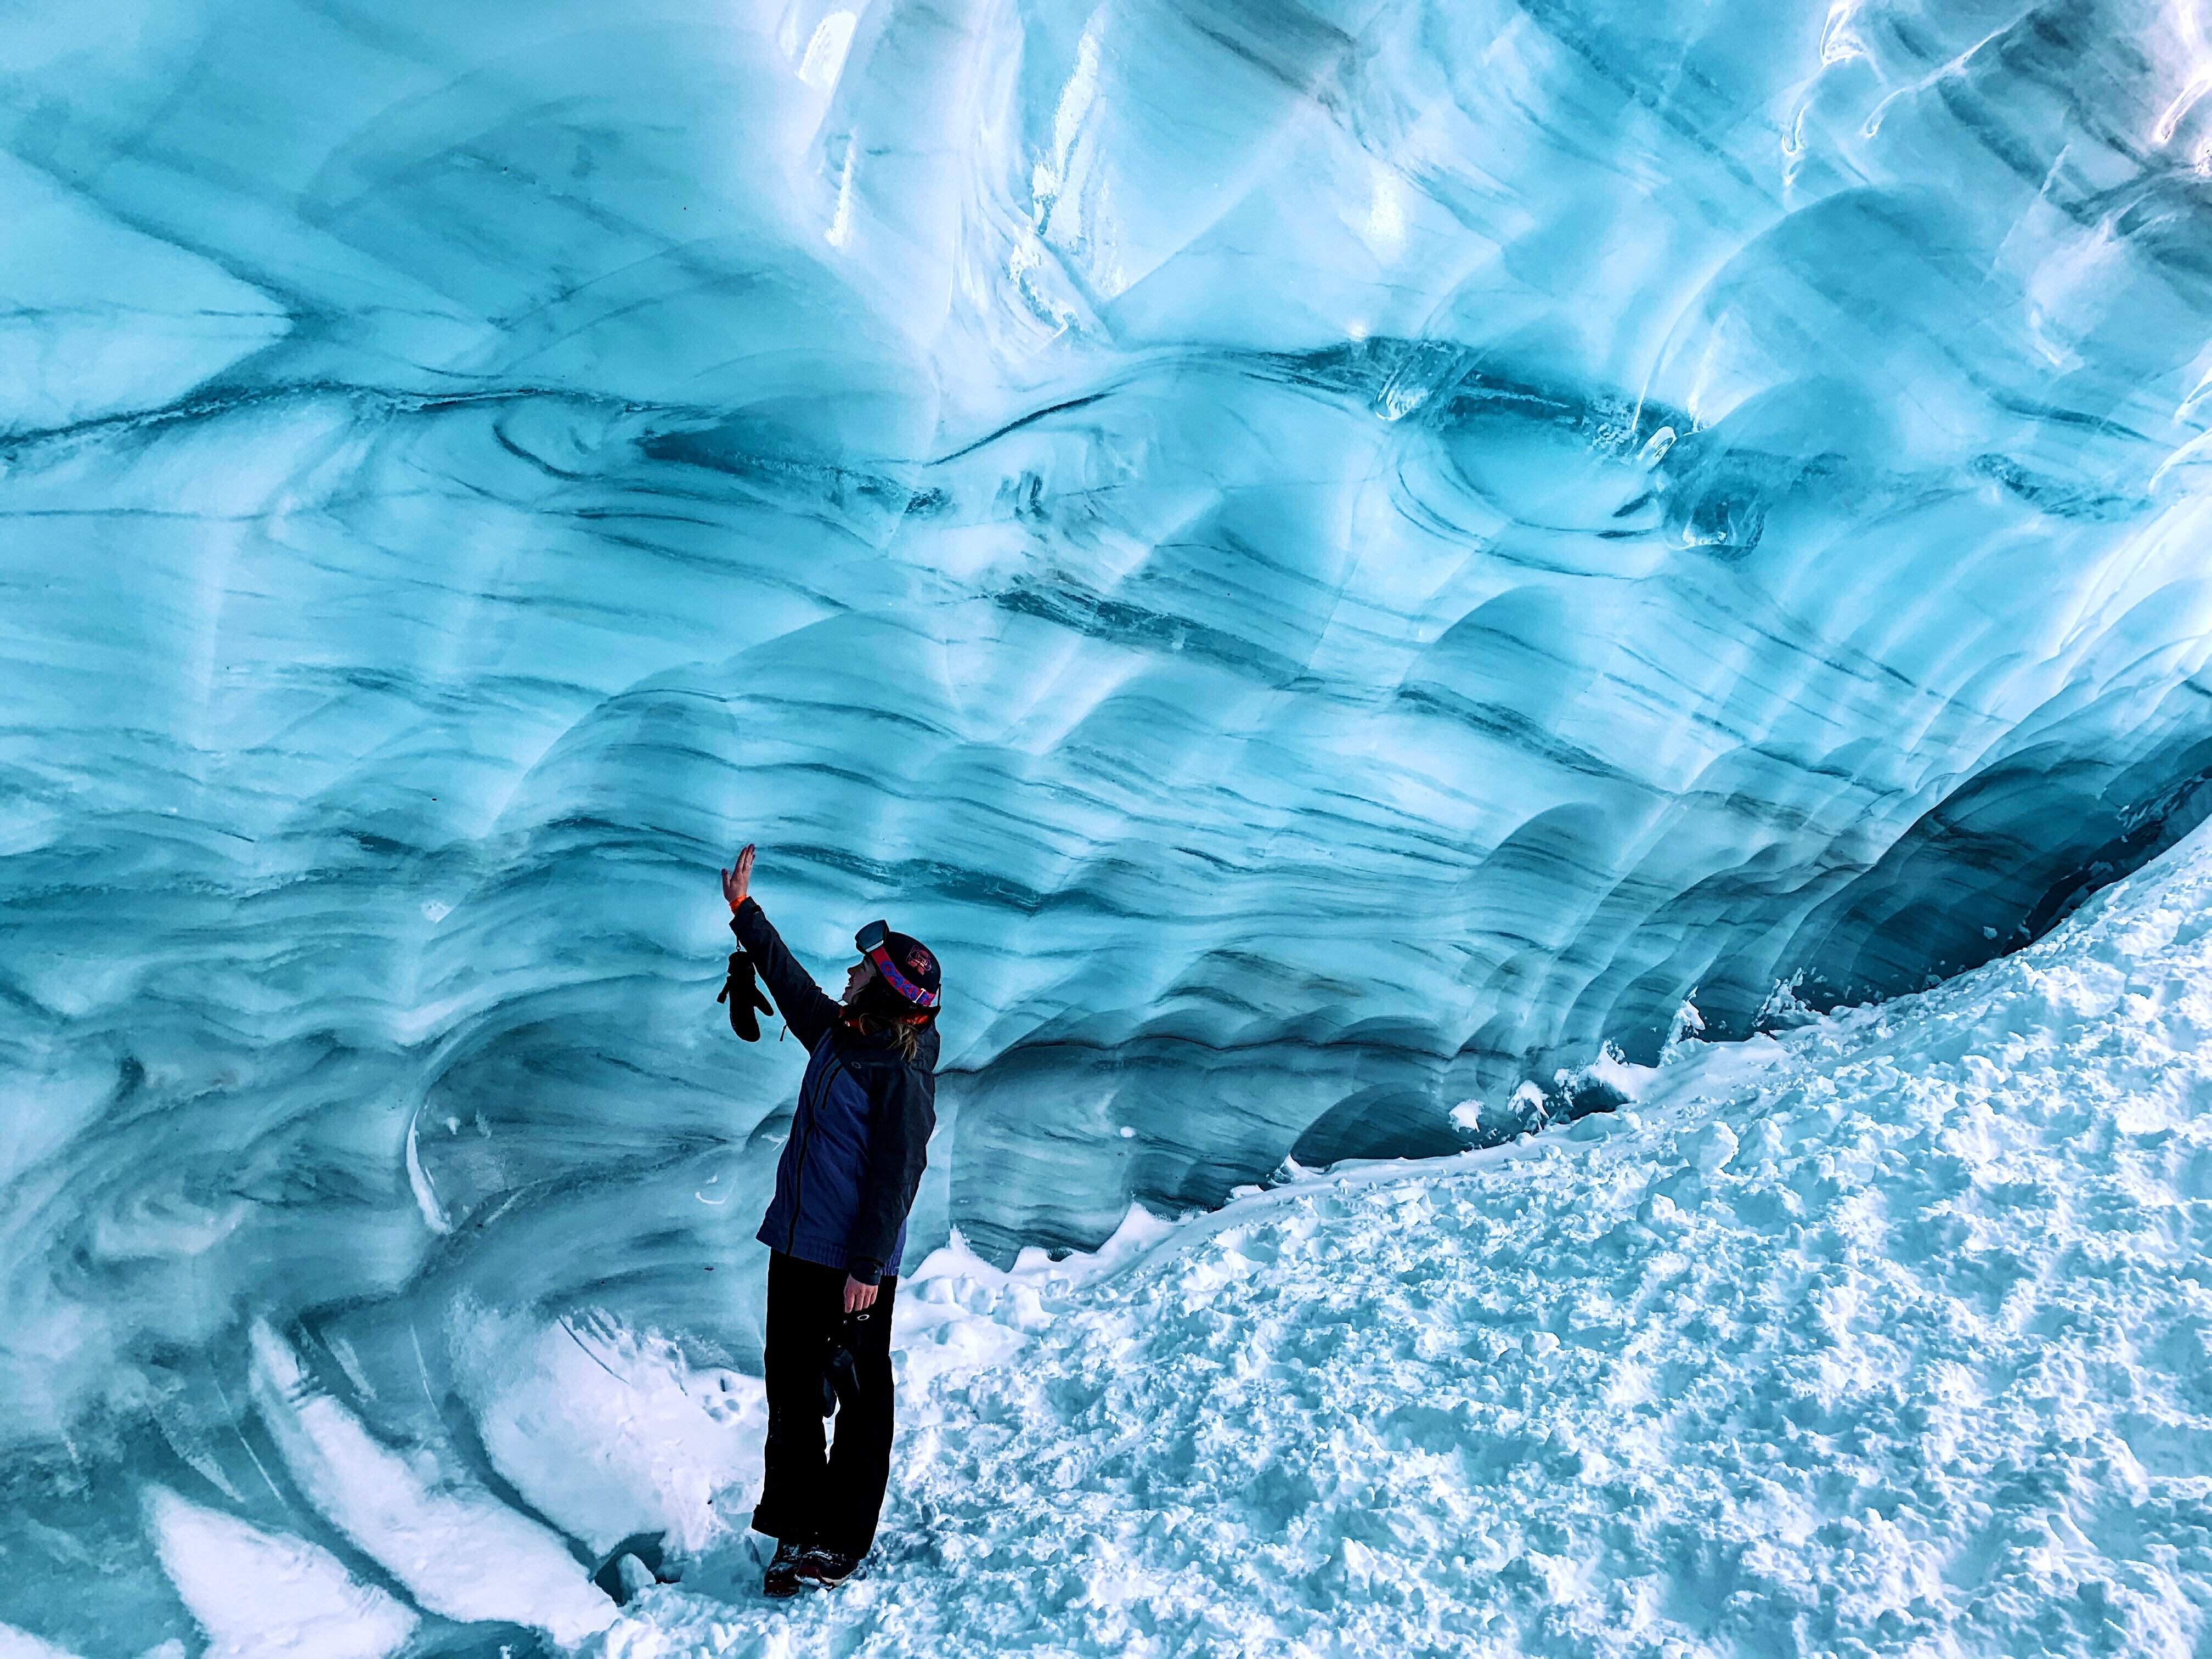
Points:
1887	1336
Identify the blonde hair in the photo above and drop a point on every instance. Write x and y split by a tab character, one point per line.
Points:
910	1030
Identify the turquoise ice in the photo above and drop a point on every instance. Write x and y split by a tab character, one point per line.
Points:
1332	561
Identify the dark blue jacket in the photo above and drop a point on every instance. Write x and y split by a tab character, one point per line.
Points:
860	1135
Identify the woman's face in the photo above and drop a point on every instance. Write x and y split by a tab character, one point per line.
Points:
857	976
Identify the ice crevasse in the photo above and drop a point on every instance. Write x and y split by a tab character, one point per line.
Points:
1330	561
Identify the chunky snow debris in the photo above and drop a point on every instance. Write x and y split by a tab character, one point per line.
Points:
1887	1335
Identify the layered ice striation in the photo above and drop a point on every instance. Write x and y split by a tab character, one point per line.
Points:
1331	561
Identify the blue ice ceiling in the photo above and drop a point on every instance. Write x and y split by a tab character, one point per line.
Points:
1329	560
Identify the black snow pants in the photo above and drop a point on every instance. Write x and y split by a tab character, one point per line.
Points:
805	1498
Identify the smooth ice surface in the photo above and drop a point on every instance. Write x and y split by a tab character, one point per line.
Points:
1331	560
255	1594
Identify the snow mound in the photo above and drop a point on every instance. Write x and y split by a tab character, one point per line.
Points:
1886	1335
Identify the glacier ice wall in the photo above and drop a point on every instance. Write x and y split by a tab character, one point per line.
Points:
1332	559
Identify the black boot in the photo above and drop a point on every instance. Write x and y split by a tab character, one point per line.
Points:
744	994
826	1569
782	1578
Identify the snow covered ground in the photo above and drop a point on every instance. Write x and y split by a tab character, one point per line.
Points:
1887	1335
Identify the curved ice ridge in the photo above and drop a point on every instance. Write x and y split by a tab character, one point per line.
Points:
1333	560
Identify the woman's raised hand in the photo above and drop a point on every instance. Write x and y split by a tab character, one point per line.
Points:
735	882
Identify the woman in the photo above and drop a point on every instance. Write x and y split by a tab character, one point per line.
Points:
835	1232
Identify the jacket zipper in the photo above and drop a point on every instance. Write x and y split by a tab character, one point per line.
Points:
799	1168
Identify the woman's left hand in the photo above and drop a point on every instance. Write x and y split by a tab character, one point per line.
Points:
858	1296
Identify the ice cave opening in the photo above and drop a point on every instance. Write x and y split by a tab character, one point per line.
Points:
1362	572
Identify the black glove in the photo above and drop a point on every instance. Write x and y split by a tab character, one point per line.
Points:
749	996
840	1375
